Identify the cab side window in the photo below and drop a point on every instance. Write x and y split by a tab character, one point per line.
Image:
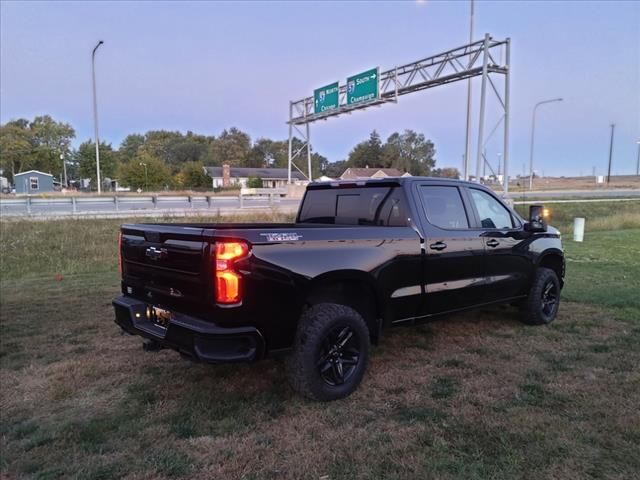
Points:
491	212
443	207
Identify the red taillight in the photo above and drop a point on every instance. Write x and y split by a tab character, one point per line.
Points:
120	252
228	283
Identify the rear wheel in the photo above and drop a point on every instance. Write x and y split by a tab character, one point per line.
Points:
330	352
541	306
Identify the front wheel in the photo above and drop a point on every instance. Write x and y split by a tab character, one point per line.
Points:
541	306
330	352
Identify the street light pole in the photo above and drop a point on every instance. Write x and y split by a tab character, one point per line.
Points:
533	130
613	126
638	160
95	113
467	137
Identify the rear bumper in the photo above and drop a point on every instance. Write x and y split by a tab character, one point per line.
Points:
203	341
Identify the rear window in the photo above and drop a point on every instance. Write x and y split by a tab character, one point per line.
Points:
354	206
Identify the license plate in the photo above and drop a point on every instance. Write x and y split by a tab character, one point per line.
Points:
159	316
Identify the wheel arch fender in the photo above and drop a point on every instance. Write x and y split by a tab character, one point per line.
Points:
553	258
353	288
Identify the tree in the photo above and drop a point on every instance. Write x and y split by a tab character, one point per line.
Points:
192	175
35	144
145	172
254	182
85	157
130	147
16	147
231	148
335	169
367	153
447	172
268	153
409	152
50	140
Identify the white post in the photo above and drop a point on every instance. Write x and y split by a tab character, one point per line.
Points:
578	229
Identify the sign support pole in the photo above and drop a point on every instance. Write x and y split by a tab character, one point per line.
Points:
483	99
505	148
309	151
290	140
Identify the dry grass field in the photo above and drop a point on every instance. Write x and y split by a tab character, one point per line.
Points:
577	183
471	396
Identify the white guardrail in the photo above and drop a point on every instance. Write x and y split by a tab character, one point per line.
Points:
111	204
271	193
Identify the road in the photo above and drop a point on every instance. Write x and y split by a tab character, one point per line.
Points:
124	206
612	193
107	206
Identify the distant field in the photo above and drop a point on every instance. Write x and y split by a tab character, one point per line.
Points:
473	396
576	183
597	215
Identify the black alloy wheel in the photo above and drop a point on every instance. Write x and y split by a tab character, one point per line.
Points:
541	305
330	352
339	355
549	298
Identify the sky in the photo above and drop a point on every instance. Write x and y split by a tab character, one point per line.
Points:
207	66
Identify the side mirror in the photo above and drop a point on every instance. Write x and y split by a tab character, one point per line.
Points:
536	221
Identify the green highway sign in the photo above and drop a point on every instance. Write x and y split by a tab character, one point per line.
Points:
363	87
326	98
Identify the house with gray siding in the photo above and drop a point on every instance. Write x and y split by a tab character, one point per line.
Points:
33	182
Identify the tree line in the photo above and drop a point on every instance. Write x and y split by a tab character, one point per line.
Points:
160	158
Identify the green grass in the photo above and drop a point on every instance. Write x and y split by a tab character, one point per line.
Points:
598	215
473	396
605	270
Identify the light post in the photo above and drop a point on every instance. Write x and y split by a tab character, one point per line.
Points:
533	130
638	160
95	113
146	178
64	169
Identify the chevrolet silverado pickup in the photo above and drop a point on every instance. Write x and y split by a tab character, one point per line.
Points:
360	257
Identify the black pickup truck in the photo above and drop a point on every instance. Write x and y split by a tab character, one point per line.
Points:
360	257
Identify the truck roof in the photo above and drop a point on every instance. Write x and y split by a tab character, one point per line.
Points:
387	181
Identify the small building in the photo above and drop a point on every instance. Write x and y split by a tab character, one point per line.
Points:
367	173
33	182
227	176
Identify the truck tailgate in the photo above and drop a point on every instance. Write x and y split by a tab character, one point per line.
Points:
167	264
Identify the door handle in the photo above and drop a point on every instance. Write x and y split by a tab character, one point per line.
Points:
438	246
493	243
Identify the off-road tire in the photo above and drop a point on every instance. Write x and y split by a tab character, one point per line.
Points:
316	327
536	308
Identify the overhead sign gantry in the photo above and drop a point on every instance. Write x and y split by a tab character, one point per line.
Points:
484	58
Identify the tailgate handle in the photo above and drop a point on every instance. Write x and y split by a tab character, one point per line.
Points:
155	254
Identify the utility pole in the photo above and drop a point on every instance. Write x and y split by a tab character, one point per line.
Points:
467	137
95	114
64	169
638	160
613	126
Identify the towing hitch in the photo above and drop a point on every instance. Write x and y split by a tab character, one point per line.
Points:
151	346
